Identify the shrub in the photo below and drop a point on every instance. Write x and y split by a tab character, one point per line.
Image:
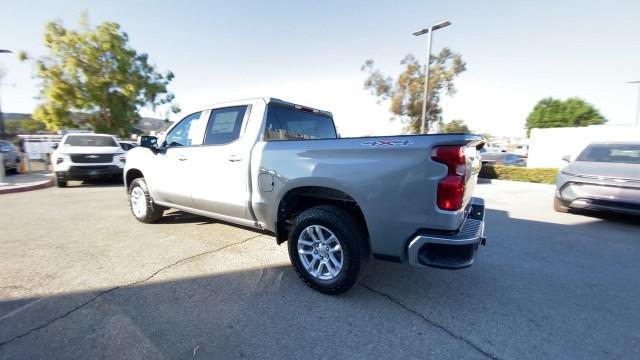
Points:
536	175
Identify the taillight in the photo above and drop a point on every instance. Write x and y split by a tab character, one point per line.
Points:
451	188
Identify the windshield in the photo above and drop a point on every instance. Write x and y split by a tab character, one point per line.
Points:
90	140
614	153
285	123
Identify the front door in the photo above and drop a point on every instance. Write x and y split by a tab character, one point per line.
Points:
221	165
173	166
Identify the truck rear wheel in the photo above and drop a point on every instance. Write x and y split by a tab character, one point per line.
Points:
327	249
142	205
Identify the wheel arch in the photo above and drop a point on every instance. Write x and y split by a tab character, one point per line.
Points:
131	175
301	198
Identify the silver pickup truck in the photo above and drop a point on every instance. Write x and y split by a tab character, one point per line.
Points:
281	167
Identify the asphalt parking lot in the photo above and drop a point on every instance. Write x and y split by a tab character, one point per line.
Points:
80	278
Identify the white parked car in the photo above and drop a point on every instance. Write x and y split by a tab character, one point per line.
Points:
493	148
521	150
86	157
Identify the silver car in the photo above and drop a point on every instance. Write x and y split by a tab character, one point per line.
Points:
604	177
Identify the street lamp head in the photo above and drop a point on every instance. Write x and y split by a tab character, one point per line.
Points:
421	32
441	25
5	51
634	82
437	26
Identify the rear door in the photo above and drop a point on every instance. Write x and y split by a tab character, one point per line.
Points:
221	164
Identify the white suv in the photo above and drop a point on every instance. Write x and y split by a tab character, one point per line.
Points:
87	156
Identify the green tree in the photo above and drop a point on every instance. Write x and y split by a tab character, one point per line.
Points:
96	72
573	112
406	92
24	126
456	126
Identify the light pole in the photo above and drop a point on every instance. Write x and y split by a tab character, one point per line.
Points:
1	115
428	31
638	105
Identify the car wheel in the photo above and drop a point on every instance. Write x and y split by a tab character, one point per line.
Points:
557	206
61	183
327	248
142	205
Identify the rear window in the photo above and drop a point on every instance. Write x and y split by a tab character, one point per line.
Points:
87	140
285	123
615	153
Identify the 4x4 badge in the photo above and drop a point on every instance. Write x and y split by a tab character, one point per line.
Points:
392	143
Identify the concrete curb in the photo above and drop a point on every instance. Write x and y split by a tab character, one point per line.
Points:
39	185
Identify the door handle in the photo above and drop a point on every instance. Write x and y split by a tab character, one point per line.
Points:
234	158
182	158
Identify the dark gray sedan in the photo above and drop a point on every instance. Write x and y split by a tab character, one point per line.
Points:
10	155
604	177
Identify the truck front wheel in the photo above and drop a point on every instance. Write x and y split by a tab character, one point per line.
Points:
142	205
327	249
557	206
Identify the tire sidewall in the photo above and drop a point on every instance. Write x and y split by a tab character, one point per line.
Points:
150	213
347	240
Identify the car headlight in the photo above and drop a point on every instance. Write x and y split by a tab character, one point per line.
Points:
123	159
62	158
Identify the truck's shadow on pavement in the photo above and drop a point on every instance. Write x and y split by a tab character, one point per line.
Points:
528	294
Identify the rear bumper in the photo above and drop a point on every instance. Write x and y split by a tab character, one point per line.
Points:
450	251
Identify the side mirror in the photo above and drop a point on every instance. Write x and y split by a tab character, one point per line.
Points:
566	158
54	146
148	141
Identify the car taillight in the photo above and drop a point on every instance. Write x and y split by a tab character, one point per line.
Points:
451	188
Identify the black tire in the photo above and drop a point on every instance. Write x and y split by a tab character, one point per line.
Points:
557	206
153	211
351	236
61	183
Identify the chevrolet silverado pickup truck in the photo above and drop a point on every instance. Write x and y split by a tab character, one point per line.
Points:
281	168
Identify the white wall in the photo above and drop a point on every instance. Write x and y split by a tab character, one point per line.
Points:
548	146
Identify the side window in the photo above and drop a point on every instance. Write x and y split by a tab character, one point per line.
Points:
224	125
183	134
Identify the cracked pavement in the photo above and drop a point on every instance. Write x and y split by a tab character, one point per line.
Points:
80	278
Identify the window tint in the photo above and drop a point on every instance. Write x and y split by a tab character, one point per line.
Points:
224	125
291	124
618	153
89	140
183	133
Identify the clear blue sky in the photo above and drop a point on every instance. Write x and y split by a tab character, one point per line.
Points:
311	52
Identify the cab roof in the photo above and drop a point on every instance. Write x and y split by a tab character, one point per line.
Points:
247	101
